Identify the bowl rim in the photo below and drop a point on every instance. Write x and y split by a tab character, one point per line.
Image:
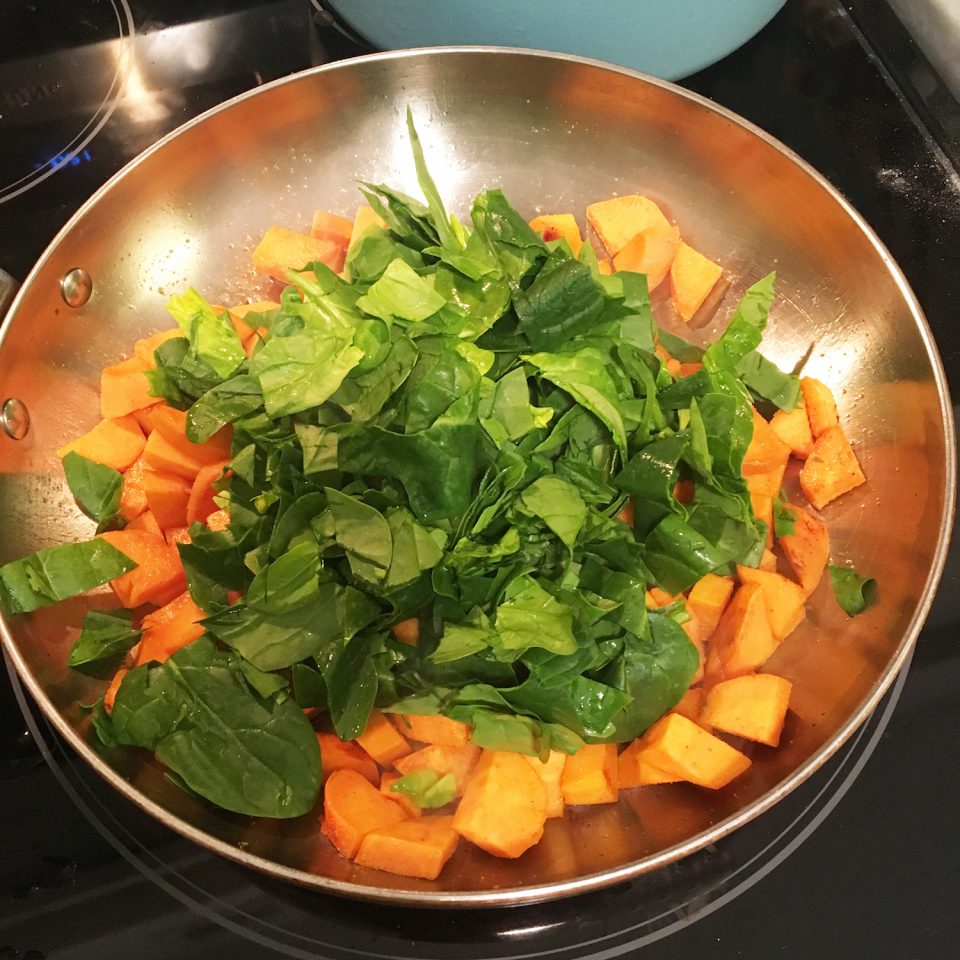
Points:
514	896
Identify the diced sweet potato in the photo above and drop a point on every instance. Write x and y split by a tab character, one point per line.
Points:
793	429
175	535
133	500
167	630
820	406
604	268
442	759
831	470
689	369
590	775
337	754
553	226
807	548
691	703
165	458
352	807
167	497
692	277
767	453
768	561
382	741
681	748
626	513
707	600
434	729
124	388
328	226
145	521
650	252
753	706
785	600
659	598
110	694
762	505
634	771
551	773
158	576
411	848
407	631
219	520
281	250
684	491
173	425
145	348
743	638
504	807
201	503
691	628
387	779
114	443
618	220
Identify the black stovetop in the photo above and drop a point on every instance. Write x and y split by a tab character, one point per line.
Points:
862	861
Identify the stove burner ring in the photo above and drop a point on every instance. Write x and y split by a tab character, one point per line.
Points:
75	147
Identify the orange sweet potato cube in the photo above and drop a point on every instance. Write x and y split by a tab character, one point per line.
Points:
807	548
604	268
382	741
167	496
337	754
590	775
167	630
692	277
831	470
434	729
419	847
201	502
793	429
281	250
753	706
785	600
158	576
328	226
551	773
650	252
634	771
166	458
768	561
110	694
820	406
387	779
115	443
762	505
618	220
504	807
352	807
407	631
681	748
124	388
133	500
145	348
442	759
707	600
145	521
553	226
743	639
765	460
691	703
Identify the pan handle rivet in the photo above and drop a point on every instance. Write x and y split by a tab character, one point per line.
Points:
76	287
15	418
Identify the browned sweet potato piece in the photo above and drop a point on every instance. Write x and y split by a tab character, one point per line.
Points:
551	773
753	707
434	729
807	548
831	470
590	775
352	807
418	847
382	740
793	429
786	601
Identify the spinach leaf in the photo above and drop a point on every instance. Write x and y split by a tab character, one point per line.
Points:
415	548
655	670
222	404
426	788
105	634
583	374
361	530
559	505
745	330
373	251
853	591
766	381
678	555
95	487
561	303
213	563
362	396
515	246
784	521
438	214
211	336
57	573
251	755
352	686
402	294
531	617
309	689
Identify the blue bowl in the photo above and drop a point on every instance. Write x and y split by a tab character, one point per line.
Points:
666	38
